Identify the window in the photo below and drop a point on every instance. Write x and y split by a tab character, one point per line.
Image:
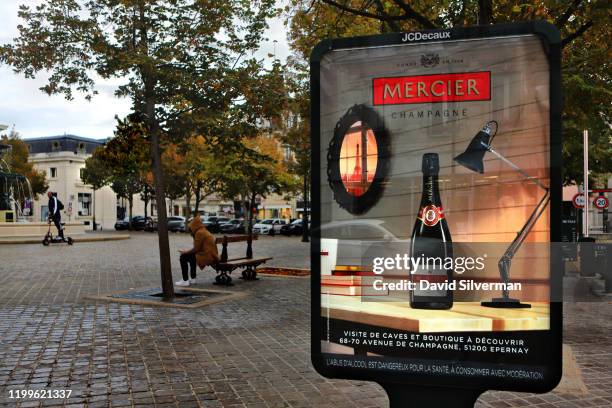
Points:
81	170
56	147
53	172
44	213
288	154
358	159
84	209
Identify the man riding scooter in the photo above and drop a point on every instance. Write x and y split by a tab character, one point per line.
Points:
55	207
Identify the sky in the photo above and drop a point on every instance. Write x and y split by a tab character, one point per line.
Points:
35	114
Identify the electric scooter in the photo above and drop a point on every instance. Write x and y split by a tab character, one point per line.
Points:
50	239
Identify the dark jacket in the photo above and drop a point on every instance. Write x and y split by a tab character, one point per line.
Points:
52	206
204	244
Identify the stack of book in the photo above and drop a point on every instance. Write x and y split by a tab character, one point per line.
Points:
350	280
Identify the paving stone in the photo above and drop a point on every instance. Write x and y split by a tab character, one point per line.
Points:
249	352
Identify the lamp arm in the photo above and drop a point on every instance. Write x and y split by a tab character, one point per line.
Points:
515	167
505	261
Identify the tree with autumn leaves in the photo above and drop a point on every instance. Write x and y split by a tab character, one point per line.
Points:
96	173
18	163
194	168
296	136
190	167
585	31
174	57
254	168
126	158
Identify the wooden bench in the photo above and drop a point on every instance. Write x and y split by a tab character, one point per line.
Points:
226	266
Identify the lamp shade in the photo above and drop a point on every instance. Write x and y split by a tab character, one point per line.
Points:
473	156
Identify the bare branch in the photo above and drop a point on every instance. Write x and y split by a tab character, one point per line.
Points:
577	33
563	18
382	17
392	24
413	15
352	10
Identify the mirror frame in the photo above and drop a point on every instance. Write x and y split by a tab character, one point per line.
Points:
368	117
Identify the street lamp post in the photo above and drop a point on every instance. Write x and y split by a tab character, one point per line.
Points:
585	211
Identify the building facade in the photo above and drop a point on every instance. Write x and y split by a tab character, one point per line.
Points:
62	158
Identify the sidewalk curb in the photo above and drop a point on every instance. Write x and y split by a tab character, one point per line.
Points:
284	268
572	382
76	239
110	297
275	275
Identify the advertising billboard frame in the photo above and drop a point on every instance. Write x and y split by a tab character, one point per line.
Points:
551	40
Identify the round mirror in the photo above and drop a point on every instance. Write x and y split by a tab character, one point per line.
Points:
358	159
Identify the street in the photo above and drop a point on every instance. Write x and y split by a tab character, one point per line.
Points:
250	352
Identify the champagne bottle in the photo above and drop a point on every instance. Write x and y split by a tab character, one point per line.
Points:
431	241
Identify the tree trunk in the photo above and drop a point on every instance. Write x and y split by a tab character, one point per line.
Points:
146	199
251	205
188	203
305	230
149	99
198	198
244	203
485	12
93	204
160	200
130	204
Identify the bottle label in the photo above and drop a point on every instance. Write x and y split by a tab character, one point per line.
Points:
428	280
430	215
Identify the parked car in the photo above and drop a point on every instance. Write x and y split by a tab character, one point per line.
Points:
177	224
213	223
138	223
295	228
151	225
122	224
359	241
233	227
264	227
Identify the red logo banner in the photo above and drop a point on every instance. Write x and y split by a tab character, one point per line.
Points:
458	87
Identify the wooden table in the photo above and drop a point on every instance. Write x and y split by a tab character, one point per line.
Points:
462	317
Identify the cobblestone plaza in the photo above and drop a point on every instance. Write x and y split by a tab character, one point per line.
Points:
247	352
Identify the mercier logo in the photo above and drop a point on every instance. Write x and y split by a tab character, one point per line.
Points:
452	87
430	60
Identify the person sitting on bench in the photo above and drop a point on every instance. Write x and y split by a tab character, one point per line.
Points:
204	252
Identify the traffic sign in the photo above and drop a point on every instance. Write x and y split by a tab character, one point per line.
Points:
601	202
578	200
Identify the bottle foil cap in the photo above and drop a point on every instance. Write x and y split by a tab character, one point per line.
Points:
431	164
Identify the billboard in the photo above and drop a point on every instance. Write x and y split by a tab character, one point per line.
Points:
436	202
